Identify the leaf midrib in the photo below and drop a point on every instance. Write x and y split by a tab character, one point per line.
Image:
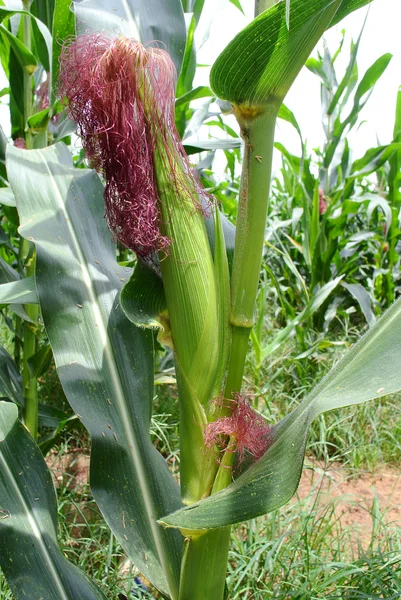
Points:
132	446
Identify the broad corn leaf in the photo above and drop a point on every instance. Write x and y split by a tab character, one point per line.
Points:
150	21
105	363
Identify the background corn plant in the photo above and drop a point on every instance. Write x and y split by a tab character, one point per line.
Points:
105	363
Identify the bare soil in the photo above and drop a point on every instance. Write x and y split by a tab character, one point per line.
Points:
363	502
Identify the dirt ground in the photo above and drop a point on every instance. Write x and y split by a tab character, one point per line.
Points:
362	501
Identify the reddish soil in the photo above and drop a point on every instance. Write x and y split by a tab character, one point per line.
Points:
356	498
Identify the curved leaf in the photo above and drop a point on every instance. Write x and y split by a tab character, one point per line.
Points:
371	369
143	299
29	554
150	21
104	362
261	62
10	379
24	56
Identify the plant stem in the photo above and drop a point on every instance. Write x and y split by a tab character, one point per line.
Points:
205	556
30	392
258	136
204	563
26	20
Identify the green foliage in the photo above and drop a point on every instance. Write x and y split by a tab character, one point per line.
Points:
328	217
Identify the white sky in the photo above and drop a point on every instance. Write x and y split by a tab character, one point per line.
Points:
381	35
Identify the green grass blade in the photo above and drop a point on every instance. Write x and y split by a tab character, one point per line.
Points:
29	554
371	369
104	362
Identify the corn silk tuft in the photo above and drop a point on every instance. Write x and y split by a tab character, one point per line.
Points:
248	430
121	95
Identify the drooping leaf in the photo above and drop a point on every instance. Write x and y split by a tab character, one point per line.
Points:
7	197
371	369
24	56
194	146
312	307
237	4
29	554
373	159
39	363
360	294
143	299
104	362
199	92
287	115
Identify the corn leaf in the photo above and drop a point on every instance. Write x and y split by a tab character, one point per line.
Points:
260	64
10	379
24	56
104	362
371	369
28	518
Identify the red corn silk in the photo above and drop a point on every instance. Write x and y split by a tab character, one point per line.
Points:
250	430
20	143
121	95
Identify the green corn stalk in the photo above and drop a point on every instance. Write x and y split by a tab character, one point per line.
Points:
27	261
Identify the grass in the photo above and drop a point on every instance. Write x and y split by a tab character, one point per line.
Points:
302	551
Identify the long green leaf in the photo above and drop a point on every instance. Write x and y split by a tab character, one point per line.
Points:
371	369
104	363
29	554
147	20
10	379
43	10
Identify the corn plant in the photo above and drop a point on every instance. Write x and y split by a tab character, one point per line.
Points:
333	229
186	288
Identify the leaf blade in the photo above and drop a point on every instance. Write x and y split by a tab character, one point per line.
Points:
104	362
